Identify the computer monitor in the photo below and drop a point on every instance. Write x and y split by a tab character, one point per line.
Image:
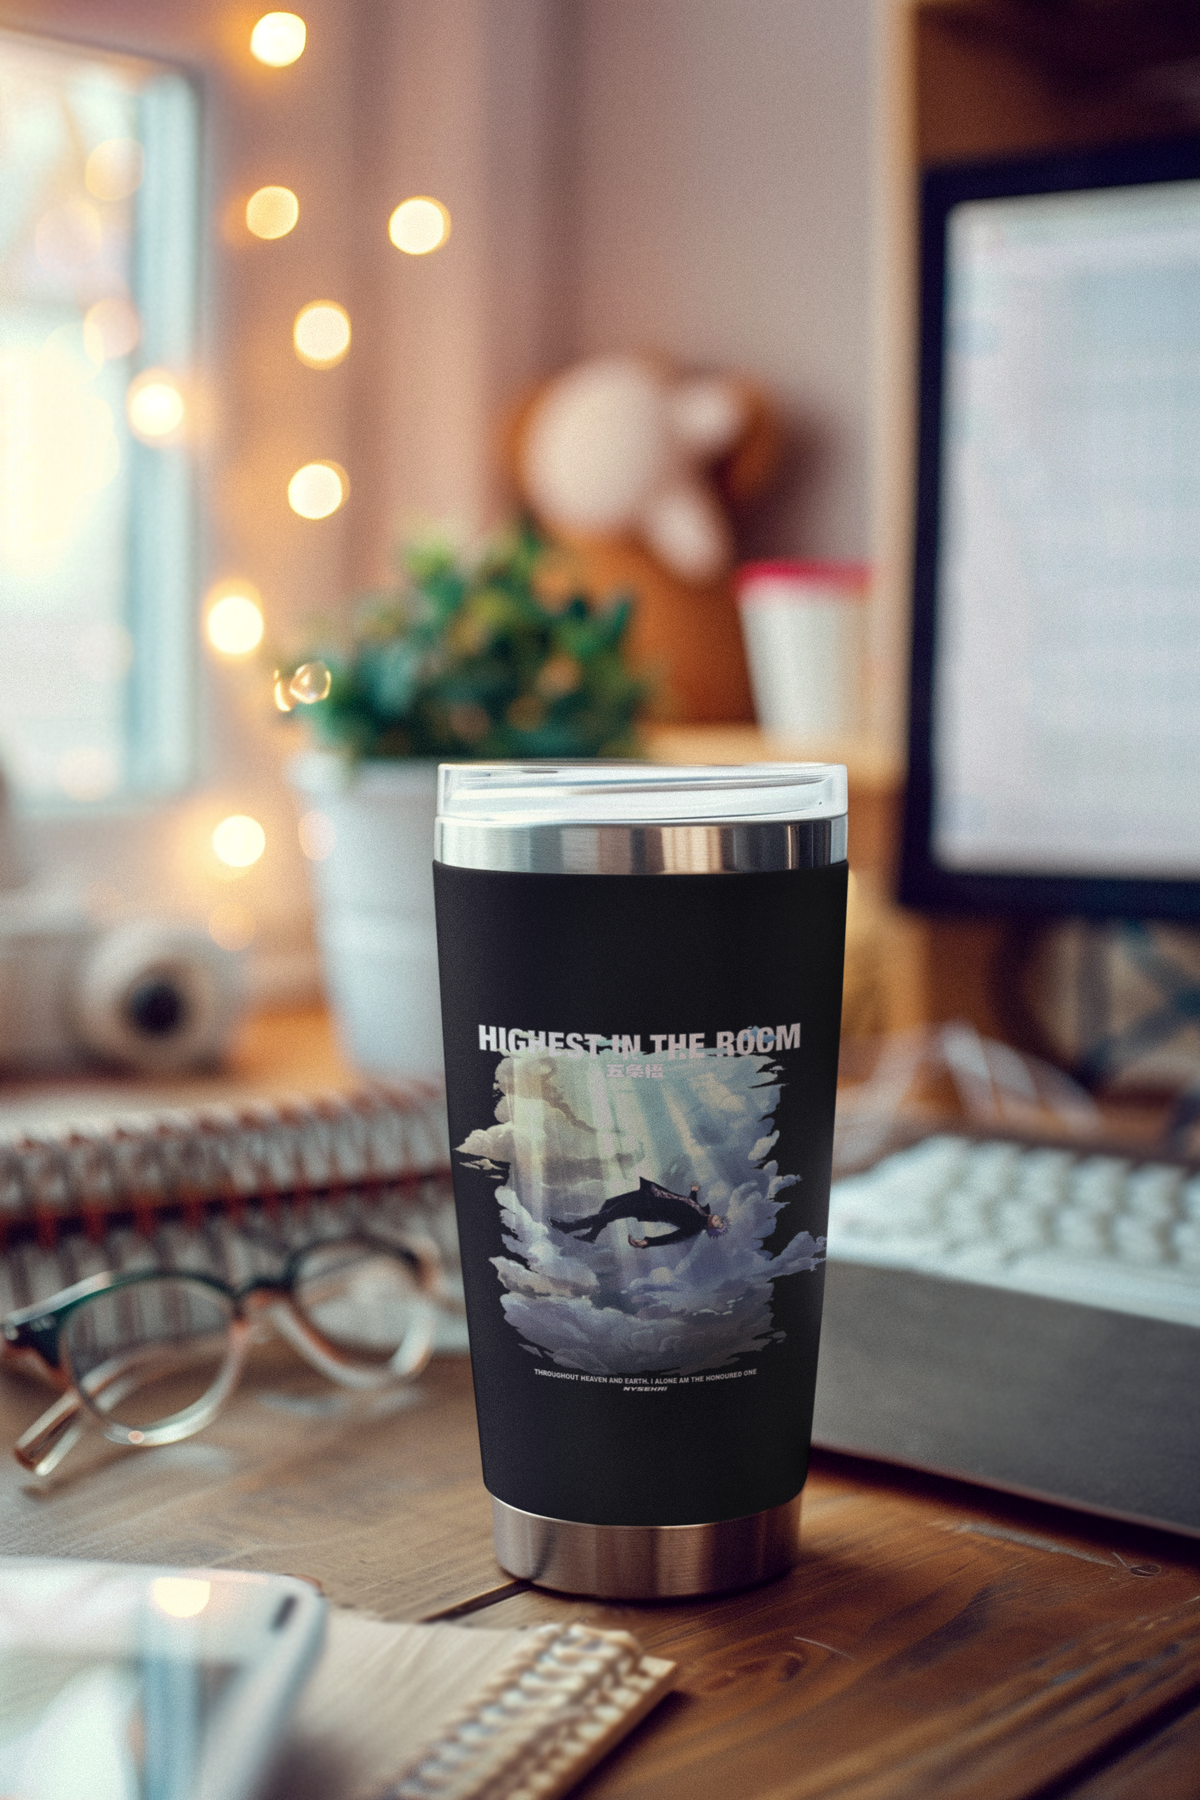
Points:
1055	692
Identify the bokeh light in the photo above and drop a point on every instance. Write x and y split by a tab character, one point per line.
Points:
233	622
239	841
68	237
111	329
318	835
180	1596
318	489
419	225
278	39
114	169
232	926
311	682
154	406
321	334
272	212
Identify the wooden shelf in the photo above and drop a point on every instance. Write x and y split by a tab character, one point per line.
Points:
1083	43
273	1054
1003	77
964	80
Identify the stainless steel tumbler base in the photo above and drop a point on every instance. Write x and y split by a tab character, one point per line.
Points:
646	1562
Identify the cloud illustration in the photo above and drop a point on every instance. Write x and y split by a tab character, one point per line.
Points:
570	1138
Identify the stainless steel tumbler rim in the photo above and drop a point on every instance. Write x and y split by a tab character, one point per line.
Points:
646	1562
629	818
693	848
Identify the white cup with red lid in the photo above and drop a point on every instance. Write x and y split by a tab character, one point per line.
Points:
804	628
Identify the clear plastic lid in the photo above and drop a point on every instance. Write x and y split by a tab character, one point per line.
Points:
590	793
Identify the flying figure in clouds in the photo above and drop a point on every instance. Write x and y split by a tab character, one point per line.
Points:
653	1205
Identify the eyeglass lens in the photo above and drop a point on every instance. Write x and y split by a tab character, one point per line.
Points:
148	1351
360	1298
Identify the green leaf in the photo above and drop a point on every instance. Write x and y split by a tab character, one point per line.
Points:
447	663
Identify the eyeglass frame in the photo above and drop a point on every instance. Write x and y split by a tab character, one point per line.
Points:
31	1337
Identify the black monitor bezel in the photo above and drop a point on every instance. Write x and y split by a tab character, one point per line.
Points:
924	883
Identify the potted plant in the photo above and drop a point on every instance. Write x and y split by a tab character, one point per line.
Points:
490	658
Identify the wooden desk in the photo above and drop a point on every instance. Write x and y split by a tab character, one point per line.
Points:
936	1640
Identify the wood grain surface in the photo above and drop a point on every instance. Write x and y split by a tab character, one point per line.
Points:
935	1641
386	1510
1164	1766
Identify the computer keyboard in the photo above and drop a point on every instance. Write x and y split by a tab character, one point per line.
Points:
1100	1230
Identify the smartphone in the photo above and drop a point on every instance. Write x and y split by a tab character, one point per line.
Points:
125	1683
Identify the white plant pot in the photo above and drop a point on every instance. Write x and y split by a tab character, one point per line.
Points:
373	890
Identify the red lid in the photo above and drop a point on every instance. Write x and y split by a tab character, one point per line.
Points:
849	578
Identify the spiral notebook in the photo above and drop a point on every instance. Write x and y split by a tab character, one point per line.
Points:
439	1712
393	1712
222	1188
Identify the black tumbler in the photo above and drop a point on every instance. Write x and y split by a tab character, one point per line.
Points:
641	971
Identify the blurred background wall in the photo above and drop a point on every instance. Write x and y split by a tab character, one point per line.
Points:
722	210
690	176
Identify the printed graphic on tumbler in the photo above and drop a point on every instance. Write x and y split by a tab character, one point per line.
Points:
635	1211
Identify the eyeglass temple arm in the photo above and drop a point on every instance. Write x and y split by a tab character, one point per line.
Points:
48	1439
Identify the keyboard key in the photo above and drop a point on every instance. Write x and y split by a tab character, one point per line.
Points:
1100	1230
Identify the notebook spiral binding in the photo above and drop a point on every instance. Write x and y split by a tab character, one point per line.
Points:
558	1705
222	1188
220	1156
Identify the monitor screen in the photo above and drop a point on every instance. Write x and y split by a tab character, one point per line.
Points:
1055	715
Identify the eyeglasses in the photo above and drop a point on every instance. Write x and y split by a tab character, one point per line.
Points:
152	1356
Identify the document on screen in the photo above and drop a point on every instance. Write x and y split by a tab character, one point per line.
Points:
1067	663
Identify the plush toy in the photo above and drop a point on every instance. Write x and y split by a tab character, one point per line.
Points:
632	466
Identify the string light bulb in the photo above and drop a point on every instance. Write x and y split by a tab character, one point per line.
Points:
318	489
239	841
271	212
233	622
321	334
419	225
278	39
154	406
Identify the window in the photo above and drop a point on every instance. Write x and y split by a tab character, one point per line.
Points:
98	248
